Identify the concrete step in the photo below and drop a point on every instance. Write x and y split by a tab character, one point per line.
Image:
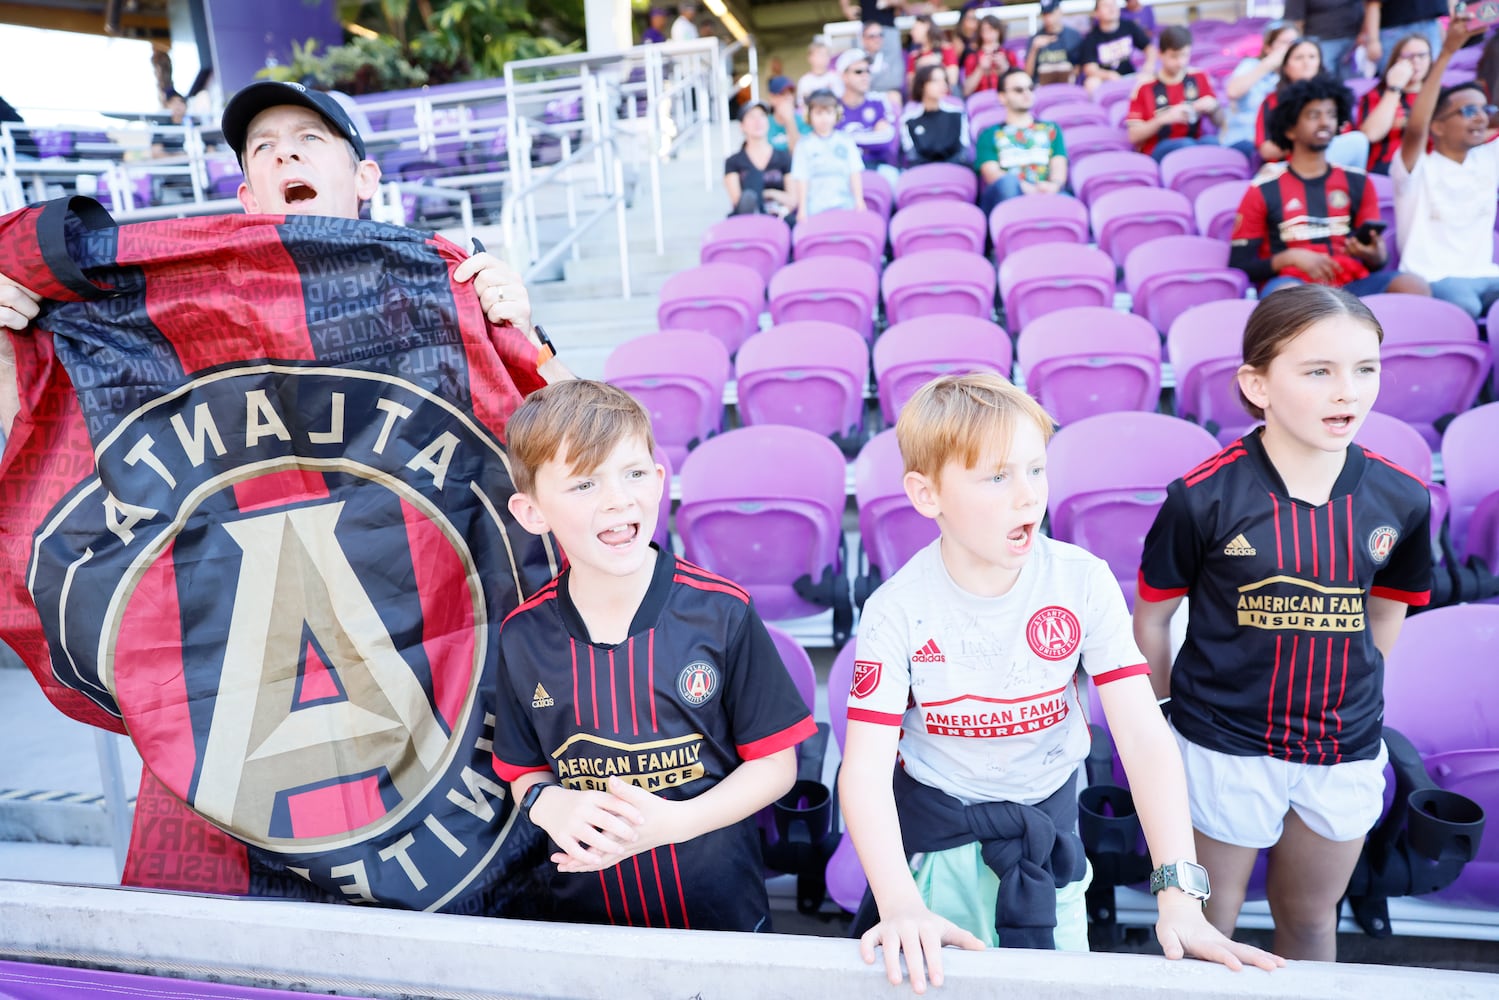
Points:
606	268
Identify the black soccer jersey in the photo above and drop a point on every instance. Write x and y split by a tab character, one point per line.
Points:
696	689
1279	658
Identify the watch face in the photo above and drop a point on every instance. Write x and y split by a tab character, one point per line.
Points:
1193	878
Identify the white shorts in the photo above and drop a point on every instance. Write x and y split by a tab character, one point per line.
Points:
1243	800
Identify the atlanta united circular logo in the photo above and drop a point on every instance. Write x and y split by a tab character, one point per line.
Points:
1053	633
697	682
1382	542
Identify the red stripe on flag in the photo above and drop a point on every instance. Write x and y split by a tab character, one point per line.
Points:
447	601
277	489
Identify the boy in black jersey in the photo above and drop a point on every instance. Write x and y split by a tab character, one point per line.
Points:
644	715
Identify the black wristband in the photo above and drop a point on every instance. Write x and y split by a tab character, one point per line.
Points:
532	794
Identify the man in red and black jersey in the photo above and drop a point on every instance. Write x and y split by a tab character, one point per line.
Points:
1166	112
1299	222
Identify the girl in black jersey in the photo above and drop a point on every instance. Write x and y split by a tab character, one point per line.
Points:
1301	553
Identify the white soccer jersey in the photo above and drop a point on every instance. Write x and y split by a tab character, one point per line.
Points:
985	688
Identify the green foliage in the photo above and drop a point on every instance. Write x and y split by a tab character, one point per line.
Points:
362	66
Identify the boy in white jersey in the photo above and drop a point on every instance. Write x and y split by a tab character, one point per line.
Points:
967	669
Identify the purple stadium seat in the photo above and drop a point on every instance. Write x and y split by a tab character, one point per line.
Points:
981	99
841	232
798	664
1205	347
879	195
1466	58
1089	140
1074	113
678	376
764	507
1036	218
1468	466
936	180
985	118
1481	539
845	876
1359	86
806	374
1216	206
1049	95
939	224
1124	218
1090	360
1105	172
1052	276
1400	443
830	288
759	242
722	299
1454	722
1109	475
840	682
908	355
1432	364
890	529
1192	169
1116	93
938	281
1167	276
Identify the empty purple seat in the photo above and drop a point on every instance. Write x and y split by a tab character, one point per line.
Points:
879	196
1108	477
759	242
1115	93
833	289
1049	95
841	232
1205	347
1215	208
890	529
1468	466
1071	114
1089	360
1037	218
1124	218
1398	442
1432	364
1193	169
937	224
1167	276
938	281
985	118
764	507
807	374
1051	276
798	664
1098	175
980	99
678	376
936	180
908	355
662	535
845	875
1433	699
722	299
1084	141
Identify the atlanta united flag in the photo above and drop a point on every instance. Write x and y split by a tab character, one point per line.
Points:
253	514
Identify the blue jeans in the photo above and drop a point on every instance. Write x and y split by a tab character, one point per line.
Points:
1172	145
1472	295
1337	56
1374	283
1005	188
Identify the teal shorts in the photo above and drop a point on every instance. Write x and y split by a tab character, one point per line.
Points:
956	884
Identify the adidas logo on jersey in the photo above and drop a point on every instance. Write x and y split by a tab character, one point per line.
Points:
929	653
1239	547
541	699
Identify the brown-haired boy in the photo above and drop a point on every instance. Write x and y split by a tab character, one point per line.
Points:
644	715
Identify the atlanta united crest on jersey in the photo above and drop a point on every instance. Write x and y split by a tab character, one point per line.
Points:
1279	658
985	688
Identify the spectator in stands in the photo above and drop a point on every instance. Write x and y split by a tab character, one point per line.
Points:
928	38
1166	112
786	123
1444	199
1303	61
655	28
820	74
1388	21
886	76
1055	52
827	167
1137	12
1382	111
983	67
1252	81
684	28
1487	71
1299	221
1022	156
755	175
1333	24
1108	50
883	13
171	142
868	118
931	132
968	31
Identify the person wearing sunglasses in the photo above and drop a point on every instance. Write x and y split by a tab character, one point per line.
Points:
1020	155
1444	199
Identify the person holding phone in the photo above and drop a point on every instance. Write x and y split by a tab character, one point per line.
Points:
1444	199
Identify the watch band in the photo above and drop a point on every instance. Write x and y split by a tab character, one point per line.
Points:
548	350
532	794
1188	876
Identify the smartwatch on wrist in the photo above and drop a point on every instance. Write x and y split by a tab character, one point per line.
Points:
1188	876
532	794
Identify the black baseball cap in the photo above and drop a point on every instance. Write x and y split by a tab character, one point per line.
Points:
1047	6
257	97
